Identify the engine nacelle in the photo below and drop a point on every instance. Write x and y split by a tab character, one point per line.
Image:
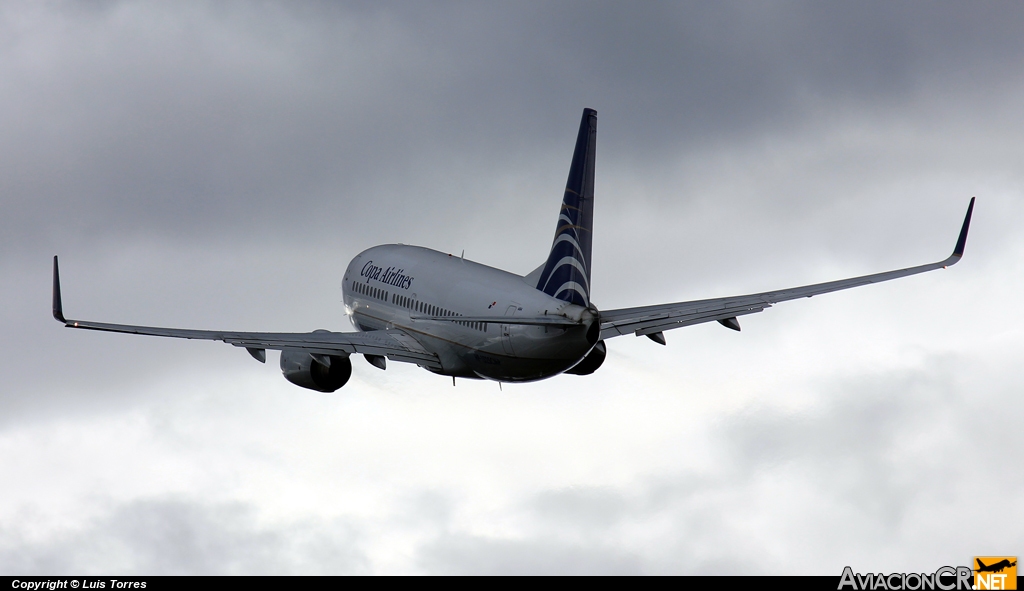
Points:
591	362
301	369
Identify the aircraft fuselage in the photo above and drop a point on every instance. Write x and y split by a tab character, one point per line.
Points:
399	286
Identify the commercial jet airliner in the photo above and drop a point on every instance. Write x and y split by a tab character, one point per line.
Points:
459	318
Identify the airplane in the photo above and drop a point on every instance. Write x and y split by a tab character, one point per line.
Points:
459	318
993	568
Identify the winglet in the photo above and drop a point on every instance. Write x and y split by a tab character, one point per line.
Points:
58	309
961	242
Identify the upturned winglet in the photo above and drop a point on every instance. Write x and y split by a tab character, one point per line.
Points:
961	242
58	309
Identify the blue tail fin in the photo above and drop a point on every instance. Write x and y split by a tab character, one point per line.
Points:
566	273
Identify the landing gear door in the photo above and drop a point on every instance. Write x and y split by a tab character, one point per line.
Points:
506	332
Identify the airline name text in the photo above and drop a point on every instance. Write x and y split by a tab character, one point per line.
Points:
389	276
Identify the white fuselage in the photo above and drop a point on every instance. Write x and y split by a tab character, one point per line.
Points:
396	286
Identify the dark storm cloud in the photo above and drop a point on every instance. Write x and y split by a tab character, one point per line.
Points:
195	165
265	122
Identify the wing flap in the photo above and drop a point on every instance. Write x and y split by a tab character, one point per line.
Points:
643	329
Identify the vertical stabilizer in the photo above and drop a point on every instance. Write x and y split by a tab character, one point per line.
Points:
566	273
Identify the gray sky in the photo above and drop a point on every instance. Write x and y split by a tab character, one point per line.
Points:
217	165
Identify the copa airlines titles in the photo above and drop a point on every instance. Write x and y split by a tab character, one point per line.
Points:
389	276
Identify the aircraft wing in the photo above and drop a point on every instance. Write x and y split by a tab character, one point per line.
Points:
394	344
648	320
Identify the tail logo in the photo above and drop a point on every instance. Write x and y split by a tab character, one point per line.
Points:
566	274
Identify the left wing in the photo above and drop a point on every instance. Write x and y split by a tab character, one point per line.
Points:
651	320
394	344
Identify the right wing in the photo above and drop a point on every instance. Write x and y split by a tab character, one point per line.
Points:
394	344
649	320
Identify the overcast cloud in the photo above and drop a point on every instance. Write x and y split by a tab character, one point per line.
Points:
216	165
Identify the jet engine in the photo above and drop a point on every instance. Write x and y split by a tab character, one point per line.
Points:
591	362
323	373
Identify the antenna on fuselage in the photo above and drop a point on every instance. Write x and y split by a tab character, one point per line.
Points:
463	256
